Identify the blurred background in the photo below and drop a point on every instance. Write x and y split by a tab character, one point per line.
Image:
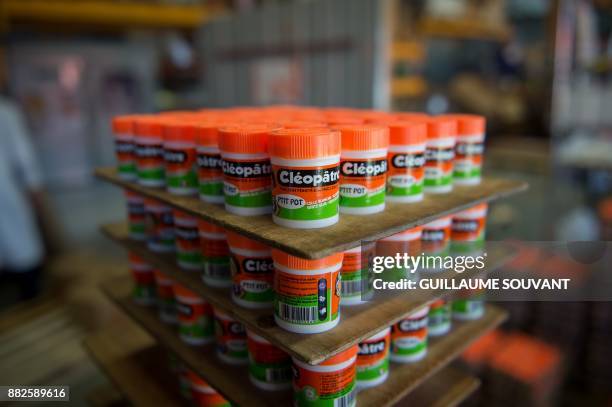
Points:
540	71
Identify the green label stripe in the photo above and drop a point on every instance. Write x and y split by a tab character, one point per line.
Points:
184	180
143	292
414	189
265	296
369	199
234	353
211	188
218	261
309	212
472	173
127	168
250	200
354	279
417	348
467	306
202	328
470	246
303	396
373	372
439	316
189	257
155	173
137	228
446	179
271	372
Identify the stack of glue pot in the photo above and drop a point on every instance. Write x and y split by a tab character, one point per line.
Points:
305	167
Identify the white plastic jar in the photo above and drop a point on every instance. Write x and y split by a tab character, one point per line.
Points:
307	292
373	360
440	155
409	337
247	173
231	339
406	161
269	367
363	168
332	382
306	177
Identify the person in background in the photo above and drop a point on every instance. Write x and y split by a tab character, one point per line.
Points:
22	248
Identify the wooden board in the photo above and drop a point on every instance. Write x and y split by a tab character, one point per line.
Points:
448	388
135	365
349	232
357	323
403	379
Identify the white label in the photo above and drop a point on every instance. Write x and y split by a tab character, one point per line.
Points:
352	190
401	180
289	201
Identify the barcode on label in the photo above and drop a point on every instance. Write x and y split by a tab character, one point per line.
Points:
350	288
278	375
292	313
346	401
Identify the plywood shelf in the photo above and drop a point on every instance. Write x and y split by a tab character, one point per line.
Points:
349	232
356	324
426	380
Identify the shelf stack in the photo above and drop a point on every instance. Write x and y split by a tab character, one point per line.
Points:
429	381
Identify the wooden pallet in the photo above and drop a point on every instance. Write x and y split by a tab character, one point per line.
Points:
356	323
233	383
349	232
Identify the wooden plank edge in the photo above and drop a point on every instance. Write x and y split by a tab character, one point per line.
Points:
107	174
458	386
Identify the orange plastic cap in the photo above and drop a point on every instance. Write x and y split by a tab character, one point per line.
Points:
441	127
178	214
304	143
239	241
148	126
468	124
364	137
409	116
197	380
298	263
301	124
123	124
244	139
208	227
207	134
182	291
342	120
178	130
134	258
341	357
407	132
